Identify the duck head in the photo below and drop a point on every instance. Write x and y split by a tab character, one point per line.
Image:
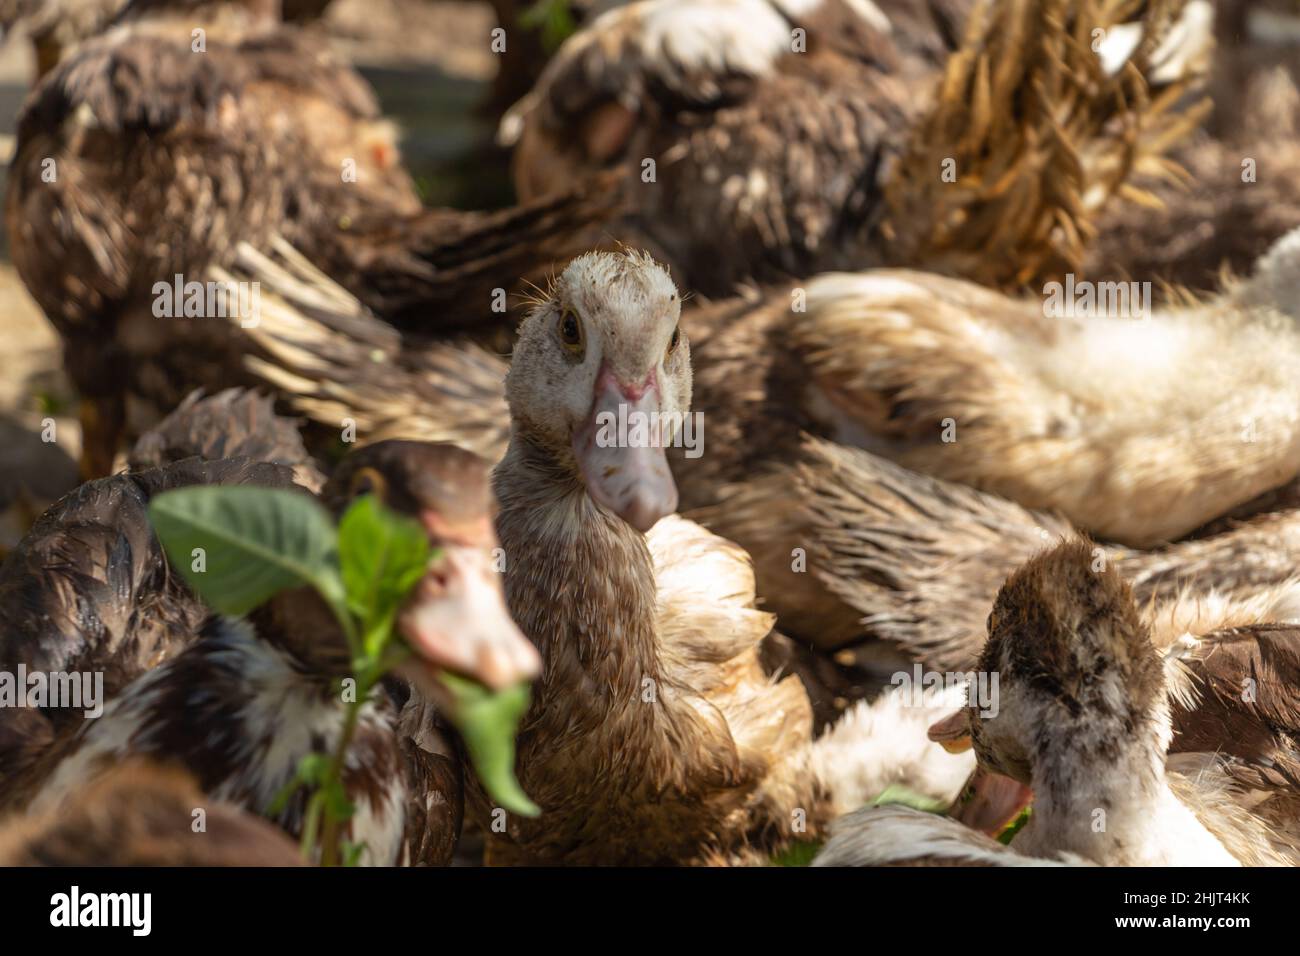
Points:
600	381
455	619
1078	678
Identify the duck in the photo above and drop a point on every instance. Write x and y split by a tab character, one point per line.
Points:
813	135
898	566
1242	167
144	814
233	423
655	734
941	375
265	135
1053	409
226	675
1083	716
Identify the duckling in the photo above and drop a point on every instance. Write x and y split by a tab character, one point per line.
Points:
245	699
837	134
264	135
1083	716
144	814
654	735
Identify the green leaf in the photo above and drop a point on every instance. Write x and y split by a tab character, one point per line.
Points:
255	543
382	555
797	854
1015	826
352	852
487	720
896	794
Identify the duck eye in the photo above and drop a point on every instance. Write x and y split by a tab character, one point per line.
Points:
367	481
571	331
677	337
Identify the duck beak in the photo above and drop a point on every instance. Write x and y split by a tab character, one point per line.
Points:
620	451
991	802
456	620
952	733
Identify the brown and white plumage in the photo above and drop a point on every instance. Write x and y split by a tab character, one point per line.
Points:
1083	716
239	702
89	589
915	561
144	814
654	710
808	133
262	135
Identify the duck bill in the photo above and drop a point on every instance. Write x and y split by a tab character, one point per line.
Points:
456	620
952	733
620	452
991	802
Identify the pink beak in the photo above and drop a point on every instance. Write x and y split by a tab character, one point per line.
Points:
456	620
620	451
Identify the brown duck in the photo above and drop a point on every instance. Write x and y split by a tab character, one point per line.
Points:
764	139
655	734
1085	717
238	702
139	160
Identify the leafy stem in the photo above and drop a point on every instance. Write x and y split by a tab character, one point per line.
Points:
239	546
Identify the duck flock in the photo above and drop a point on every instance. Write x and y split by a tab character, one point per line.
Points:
873	433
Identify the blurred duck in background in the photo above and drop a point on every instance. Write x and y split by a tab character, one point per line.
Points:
140	167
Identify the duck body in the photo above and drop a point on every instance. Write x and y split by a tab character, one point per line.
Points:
655	735
1084	718
240	702
89	589
673	752
262	136
142	814
809	132
237	712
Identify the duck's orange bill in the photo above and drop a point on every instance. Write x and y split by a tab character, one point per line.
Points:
952	733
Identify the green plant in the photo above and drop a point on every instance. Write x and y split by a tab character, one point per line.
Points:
256	542
553	18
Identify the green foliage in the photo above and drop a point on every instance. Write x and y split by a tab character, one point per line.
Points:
487	721
256	542
553	18
797	854
1015	826
895	794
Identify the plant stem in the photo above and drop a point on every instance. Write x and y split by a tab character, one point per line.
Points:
329	835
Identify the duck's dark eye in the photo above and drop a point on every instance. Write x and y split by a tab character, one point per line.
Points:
677	337
571	331
368	481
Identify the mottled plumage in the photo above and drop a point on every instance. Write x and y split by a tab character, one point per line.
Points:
1083	716
808	134
654	736
144	814
139	159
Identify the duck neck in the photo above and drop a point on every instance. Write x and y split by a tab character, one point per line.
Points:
1101	792
580	582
